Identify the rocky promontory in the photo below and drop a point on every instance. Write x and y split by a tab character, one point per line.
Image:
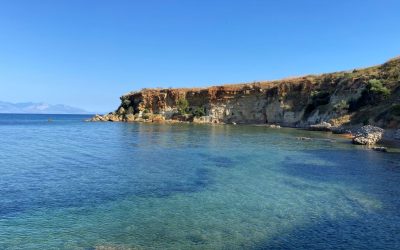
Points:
334	101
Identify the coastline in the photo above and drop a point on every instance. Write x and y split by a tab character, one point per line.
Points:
387	144
360	102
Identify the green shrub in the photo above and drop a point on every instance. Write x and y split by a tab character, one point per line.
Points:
199	112
183	106
376	87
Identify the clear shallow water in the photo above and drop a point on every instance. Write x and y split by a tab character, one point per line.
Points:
68	184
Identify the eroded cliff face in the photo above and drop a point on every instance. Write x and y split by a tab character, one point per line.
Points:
368	95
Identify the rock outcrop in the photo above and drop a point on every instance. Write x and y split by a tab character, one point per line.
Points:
111	117
319	102
368	135
323	126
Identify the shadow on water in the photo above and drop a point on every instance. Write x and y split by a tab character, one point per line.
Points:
369	229
369	232
338	165
217	161
93	192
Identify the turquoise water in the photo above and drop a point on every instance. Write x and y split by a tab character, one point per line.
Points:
68	184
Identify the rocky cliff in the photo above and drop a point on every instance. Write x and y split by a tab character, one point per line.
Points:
359	96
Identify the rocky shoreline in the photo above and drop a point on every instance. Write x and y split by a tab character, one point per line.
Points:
365	135
362	102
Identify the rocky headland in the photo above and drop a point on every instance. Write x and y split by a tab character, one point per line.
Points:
341	102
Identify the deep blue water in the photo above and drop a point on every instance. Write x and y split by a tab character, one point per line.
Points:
69	184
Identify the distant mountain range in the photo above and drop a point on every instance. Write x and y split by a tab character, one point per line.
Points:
39	108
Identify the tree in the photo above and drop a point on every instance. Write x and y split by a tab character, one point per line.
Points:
183	106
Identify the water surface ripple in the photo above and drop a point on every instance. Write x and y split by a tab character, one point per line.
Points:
68	184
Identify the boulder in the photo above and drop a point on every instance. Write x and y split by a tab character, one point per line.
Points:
368	135
158	118
96	118
129	118
112	117
323	126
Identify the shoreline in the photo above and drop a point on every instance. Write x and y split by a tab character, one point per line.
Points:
387	142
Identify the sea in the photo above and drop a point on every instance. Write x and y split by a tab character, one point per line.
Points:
70	184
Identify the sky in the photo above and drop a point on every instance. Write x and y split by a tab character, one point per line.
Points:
87	53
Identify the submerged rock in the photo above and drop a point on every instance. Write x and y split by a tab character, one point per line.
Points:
303	138
381	149
368	135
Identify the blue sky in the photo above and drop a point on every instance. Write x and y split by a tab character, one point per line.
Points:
88	53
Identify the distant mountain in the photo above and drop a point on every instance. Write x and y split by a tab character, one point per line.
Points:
38	108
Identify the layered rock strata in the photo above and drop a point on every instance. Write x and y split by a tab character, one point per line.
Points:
321	102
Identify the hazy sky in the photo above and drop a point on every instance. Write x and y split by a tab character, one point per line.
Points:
87	53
